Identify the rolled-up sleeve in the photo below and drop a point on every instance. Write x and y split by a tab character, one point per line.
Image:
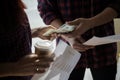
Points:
115	4
47	11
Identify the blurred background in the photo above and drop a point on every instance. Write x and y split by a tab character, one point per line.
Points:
33	14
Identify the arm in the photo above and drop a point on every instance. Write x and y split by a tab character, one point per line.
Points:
104	17
22	67
108	14
48	12
84	24
26	66
56	23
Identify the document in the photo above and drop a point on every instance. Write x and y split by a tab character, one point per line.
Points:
65	62
94	41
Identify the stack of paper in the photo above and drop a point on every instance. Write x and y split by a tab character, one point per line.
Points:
66	60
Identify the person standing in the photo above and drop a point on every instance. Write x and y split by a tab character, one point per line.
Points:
16	60
91	18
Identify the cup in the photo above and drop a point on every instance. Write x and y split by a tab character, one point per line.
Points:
43	48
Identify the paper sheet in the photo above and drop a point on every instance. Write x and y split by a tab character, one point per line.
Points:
102	40
66	60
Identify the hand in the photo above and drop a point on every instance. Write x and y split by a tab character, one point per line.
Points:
32	64
82	25
28	65
77	43
38	32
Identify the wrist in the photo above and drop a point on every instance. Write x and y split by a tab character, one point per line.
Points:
92	22
56	23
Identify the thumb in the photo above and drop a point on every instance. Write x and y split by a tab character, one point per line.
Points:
74	22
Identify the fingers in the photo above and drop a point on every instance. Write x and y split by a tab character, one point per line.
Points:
33	58
42	64
36	66
27	59
31	64
40	31
74	22
78	45
30	70
53	36
44	59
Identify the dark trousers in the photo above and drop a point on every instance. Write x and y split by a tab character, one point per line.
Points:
106	73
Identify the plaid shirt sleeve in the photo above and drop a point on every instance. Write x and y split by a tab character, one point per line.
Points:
71	9
115	5
46	9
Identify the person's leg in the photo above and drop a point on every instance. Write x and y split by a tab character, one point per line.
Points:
77	74
106	73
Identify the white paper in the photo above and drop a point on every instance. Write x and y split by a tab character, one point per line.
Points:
102	40
66	60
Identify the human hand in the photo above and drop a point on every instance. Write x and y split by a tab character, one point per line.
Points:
77	43
38	32
81	26
31	64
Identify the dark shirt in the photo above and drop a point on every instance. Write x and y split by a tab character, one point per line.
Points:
68	10
115	5
14	44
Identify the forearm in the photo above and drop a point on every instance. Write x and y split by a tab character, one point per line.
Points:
56	23
104	17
